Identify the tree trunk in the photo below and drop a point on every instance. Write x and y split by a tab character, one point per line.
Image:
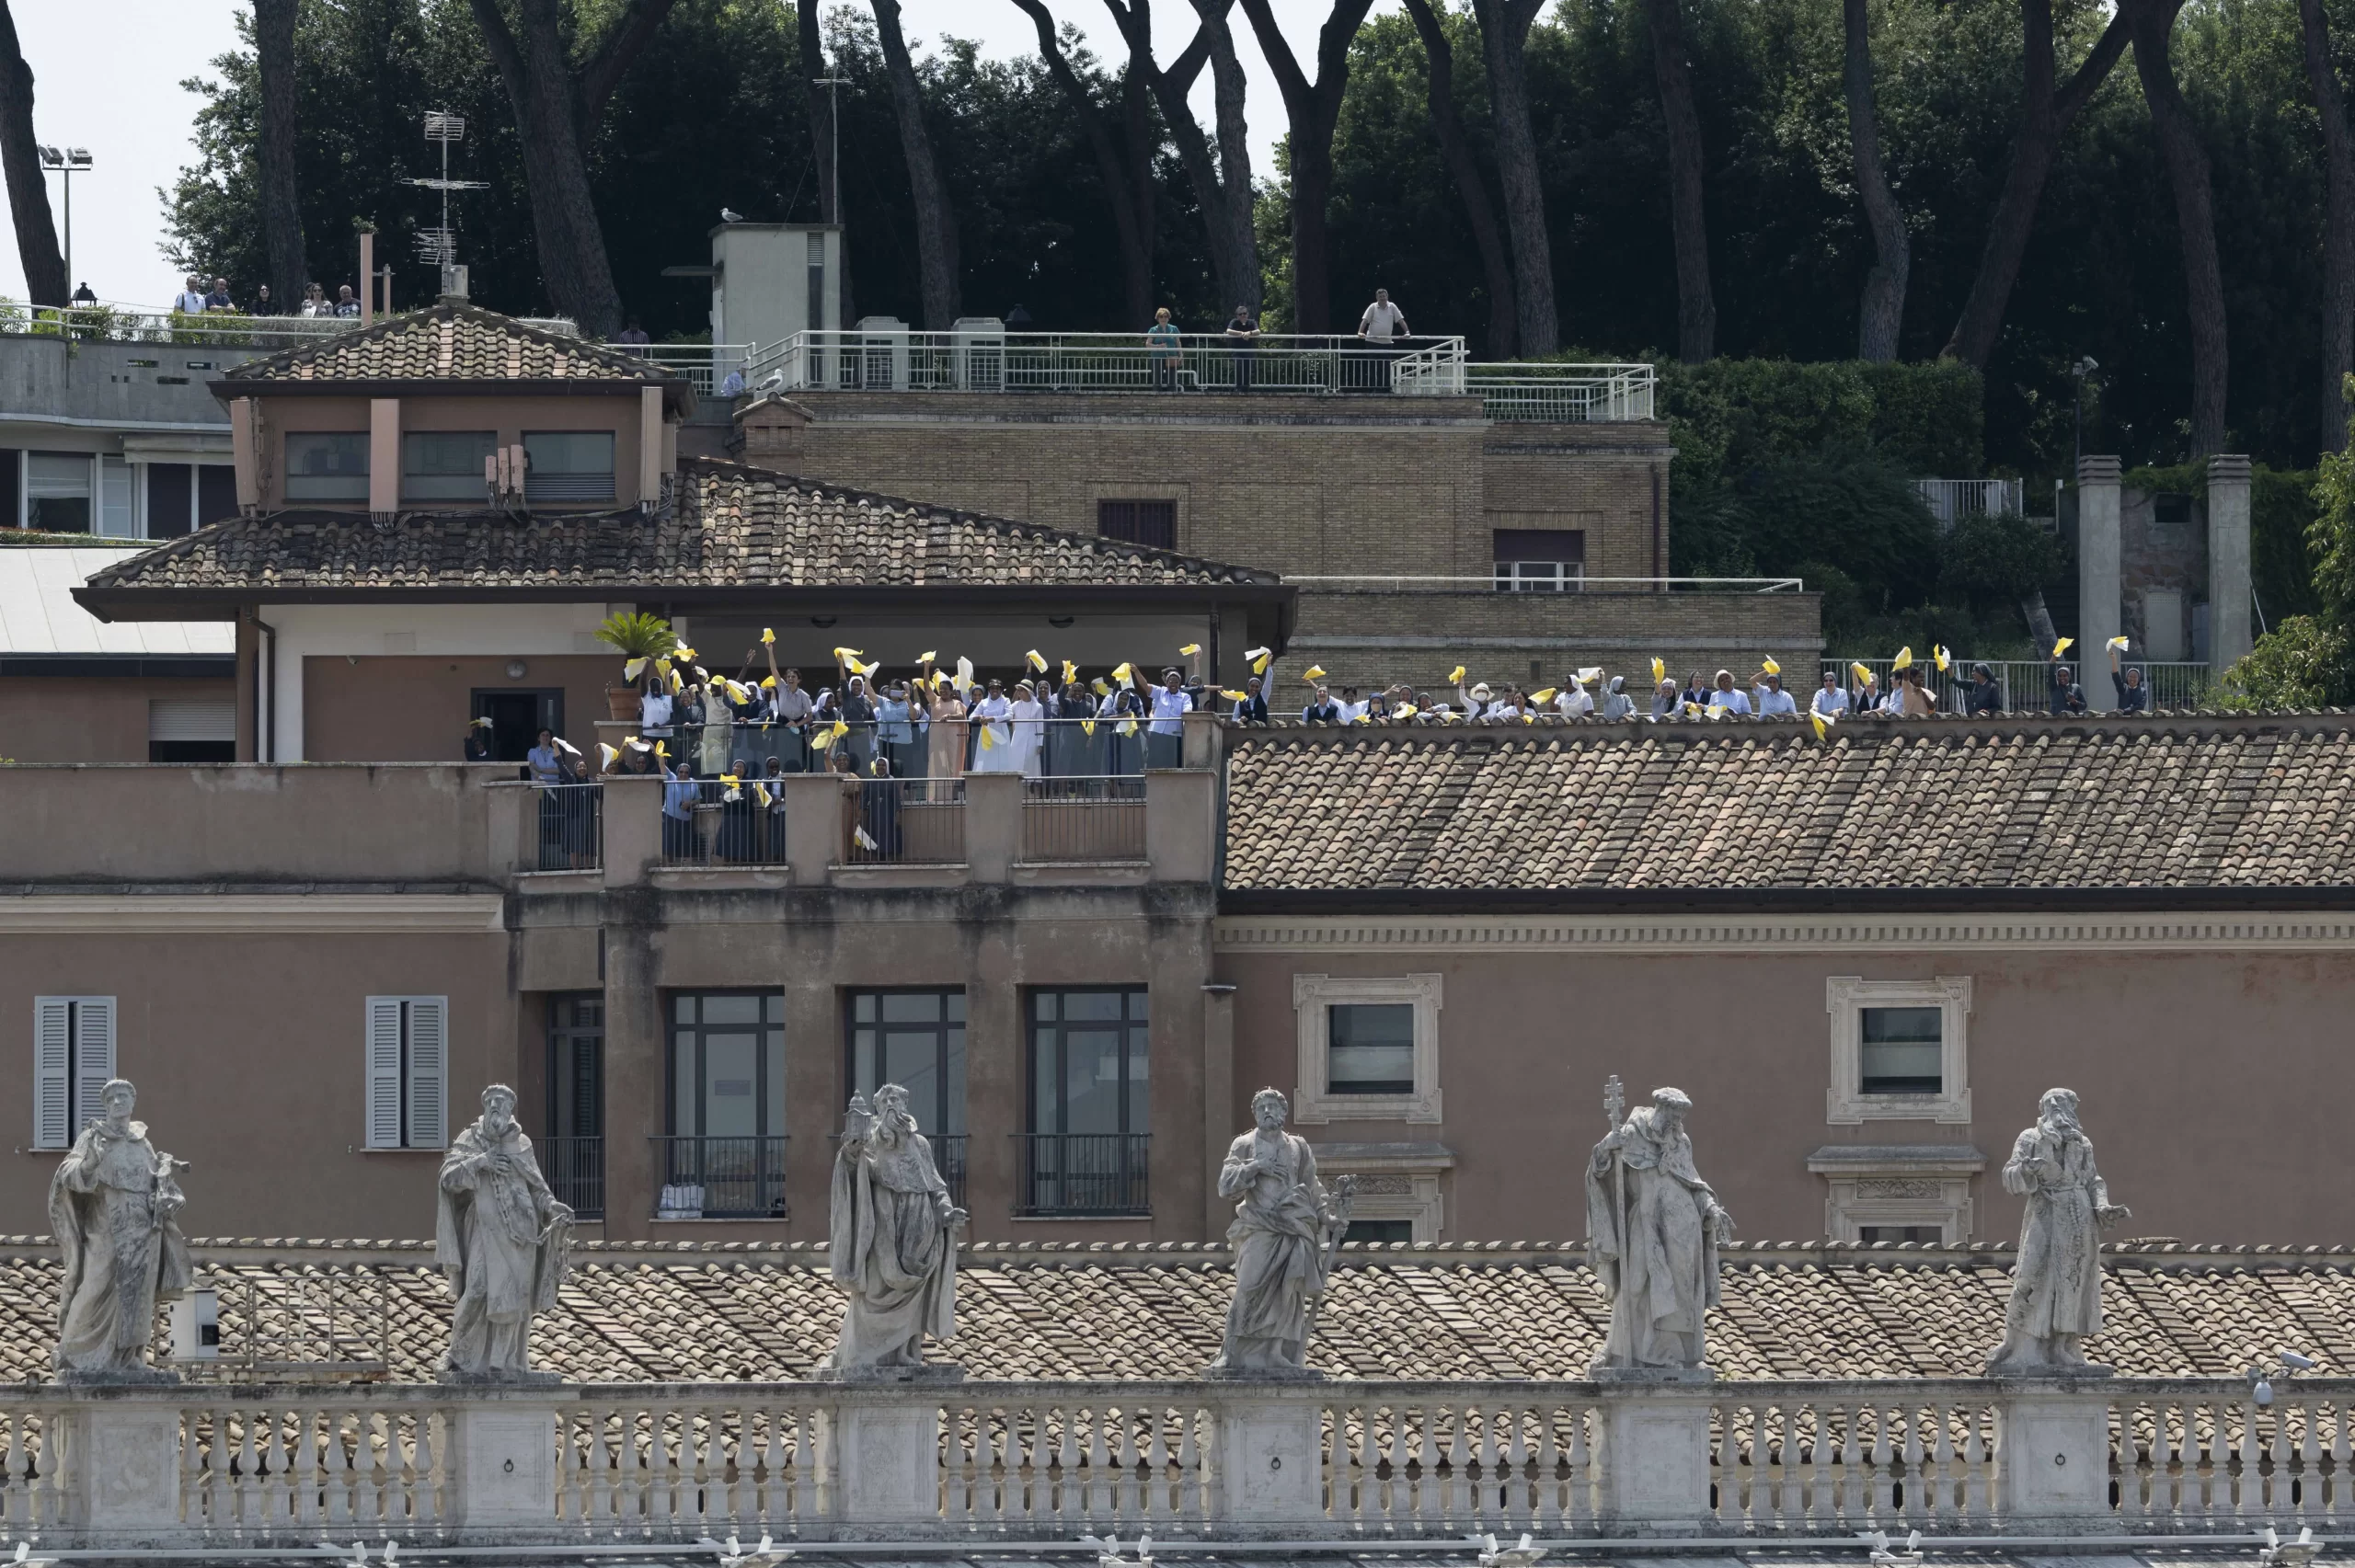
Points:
2045	117
935	219
1313	110
1144	191
1222	186
282	215
2187	166
1227	84
2338	228
1465	170
45	279
1883	312
1696	310
1136	258
555	111
1504	32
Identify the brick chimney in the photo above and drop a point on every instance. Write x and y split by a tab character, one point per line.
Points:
768	432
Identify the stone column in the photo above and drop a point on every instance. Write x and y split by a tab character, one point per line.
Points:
1270	1463
502	1462
1653	1457
127	1452
1181	826
813	825
634	1046
993	825
630	821
383	455
2052	1456
2099	580
2228	560
1218	1101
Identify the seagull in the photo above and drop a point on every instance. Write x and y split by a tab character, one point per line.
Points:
1108	1551
729	215
732	1554
2289	1553
1877	1548
25	1557
1520	1555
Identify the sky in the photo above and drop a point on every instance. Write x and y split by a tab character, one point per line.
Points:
122	100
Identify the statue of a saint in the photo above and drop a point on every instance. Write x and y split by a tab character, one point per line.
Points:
1655	1229
114	1207
892	1244
1285	1228
503	1242
2056	1288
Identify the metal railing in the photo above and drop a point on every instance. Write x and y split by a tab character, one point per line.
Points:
572	826
904	823
702	825
1579	583
1081	819
720	1178
982	356
1069	748
1083	1173
116	321
575	1168
703	366
1950	500
2027	684
1562	395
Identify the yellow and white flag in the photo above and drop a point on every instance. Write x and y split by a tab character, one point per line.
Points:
1822	726
1904	660
1121	676
1945	660
1770	667
1861	672
1036	660
1259	657
1189	650
2119	644
927	656
1314	673
1070	672
634	669
1456	676
1542	698
606	755
2063	645
1590	675
1659	671
768	634
864	839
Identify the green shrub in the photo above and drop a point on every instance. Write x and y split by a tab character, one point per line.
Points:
2302	663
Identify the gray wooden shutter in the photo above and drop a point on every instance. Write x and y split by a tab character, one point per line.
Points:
428	1072
93	1056
53	1071
383	1073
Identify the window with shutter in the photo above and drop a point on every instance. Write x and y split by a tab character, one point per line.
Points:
53	1071
384	1070
93	1056
428	1072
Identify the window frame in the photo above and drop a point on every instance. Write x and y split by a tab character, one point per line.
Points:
1897	1185
671	1027
367	469
418	1082
932	1121
1313	996
473	489
1134	1180
561	486
80	1074
1116	513
1845	997
1031	1028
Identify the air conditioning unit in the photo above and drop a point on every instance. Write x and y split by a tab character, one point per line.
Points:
196	1326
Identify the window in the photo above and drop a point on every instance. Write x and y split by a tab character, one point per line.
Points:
1380	1231
916	1039
117	517
567	466
73	1059
11	492
445	466
216	493
814	306
725	1157
326	465
1899	1050
1368	1049
572	1154
171	500
57	487
184	730
1090	1106
1153	523
1883	1192
1545	560
1868	1234
408	1071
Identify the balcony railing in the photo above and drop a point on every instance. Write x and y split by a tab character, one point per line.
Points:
114	321
572	820
904	823
1083	1173
703	366
1950	500
1562	395
702	826
575	1168
1078	820
720	1178
2026	685
985	358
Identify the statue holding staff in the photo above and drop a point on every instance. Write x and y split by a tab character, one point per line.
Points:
1655	1228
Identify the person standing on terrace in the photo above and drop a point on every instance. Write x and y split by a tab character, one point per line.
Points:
1162	351
1242	335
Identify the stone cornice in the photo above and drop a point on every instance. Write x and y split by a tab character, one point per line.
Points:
238	914
2254	931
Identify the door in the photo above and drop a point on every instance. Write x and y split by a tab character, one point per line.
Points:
517	716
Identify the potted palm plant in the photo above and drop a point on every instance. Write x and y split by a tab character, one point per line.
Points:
644	639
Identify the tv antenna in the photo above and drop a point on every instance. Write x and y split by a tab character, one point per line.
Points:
439	246
834	86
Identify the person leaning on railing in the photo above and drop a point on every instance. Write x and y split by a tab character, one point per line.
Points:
1242	337
1986	696
679	796
2068	697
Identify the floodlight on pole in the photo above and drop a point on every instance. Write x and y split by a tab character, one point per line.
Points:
439	246
835	130
68	162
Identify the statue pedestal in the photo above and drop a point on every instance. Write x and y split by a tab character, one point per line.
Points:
2052	1453
503	1459
1652	1450
127	1455
886	1463
1271	1462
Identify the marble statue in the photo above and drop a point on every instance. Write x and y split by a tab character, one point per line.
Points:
893	1245
1286	1226
114	1207
503	1242
2056	1286
1655	1229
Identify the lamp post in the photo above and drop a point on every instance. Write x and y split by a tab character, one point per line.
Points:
2078	373
69	162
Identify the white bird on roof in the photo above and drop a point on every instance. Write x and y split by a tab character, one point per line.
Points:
729	215
392	1550
1520	1555
2279	1554
1881	1556
1108	1551
732	1554
25	1557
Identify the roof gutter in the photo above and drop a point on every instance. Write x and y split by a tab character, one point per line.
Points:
1776	900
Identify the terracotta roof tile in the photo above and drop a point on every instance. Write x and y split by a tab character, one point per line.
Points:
734	527
448	342
2167	801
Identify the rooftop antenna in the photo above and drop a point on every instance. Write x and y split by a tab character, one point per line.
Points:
439	246
835	126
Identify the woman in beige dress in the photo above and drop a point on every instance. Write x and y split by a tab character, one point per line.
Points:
945	753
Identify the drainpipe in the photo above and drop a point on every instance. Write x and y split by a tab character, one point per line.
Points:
1658	570
266	706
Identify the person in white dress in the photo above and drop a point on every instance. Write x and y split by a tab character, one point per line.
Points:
1575	701
994	750
1029	730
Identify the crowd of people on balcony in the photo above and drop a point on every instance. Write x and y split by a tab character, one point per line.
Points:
195	299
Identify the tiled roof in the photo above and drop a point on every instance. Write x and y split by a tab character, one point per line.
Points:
734	527
2210	801
1464	1313
448	342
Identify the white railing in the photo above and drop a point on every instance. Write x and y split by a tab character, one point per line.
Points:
113	321
2027	684
703	366
1560	394
1951	500
258	1466
1573	581
985	358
